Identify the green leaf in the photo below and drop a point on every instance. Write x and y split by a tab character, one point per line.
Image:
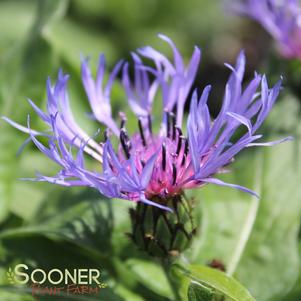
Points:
61	35
180	282
257	240
221	224
23	63
198	292
289	121
295	293
77	226
269	265
22	12
219	281
81	216
151	275
127	294
11	296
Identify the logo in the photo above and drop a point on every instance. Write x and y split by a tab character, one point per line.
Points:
57	281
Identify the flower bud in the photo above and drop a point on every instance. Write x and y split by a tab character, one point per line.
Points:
161	233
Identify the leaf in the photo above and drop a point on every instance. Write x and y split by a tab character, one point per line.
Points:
197	292
151	275
221	224
87	42
25	62
81	216
76	228
295	293
290	105
219	281
11	296
22	12
127	294
269	265
39	251
256	240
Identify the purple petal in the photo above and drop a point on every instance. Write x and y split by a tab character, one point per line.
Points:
272	143
241	119
148	170
148	202
22	128
221	183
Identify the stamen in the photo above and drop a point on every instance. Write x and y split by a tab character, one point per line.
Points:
123	119
125	142
185	152
174	173
141	132
179	145
173	122
150	125
183	160
122	123
180	133
106	135
168	124
164	156
186	147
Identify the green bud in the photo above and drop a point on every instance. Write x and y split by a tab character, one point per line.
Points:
161	233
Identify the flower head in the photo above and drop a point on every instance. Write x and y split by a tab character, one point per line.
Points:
281	18
152	167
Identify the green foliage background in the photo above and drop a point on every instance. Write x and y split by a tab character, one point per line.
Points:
48	226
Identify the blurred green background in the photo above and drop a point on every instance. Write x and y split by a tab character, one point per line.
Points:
49	226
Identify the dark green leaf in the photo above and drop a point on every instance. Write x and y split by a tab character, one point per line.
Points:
198	292
219	281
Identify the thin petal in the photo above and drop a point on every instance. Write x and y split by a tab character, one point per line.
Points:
272	143
221	183
148	202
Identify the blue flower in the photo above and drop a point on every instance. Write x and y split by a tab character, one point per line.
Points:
281	18
149	166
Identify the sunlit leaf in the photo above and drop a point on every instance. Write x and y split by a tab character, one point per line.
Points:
219	282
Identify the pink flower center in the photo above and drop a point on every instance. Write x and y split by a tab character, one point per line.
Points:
172	171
